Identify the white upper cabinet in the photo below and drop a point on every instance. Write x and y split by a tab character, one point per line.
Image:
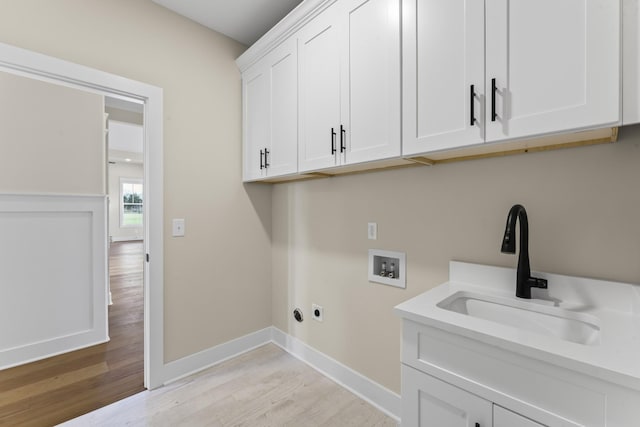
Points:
505	418
270	114
255	120
370	110
548	67
349	72
555	65
443	66
341	83
319	74
630	62
283	66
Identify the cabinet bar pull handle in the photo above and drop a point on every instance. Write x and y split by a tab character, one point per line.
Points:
266	162
472	97
333	141
261	165
494	89
343	147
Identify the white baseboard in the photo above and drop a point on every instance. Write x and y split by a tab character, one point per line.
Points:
370	391
125	239
189	365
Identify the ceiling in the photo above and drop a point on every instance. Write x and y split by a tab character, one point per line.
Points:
126	141
242	20
125	137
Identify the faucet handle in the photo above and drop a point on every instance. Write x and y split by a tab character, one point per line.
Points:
536	282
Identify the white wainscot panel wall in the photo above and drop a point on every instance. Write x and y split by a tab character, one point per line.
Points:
53	275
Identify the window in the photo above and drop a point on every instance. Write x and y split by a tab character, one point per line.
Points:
131	202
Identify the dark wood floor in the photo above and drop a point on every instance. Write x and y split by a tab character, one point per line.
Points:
54	390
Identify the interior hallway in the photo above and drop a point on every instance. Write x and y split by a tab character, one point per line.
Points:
54	390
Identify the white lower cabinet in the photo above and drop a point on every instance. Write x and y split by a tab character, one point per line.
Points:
449	380
430	402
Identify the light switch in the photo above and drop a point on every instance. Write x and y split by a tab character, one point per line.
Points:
178	227
372	231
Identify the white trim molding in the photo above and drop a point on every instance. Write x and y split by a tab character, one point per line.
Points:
126	239
375	394
204	359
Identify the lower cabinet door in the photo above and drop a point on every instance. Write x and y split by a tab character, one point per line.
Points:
429	402
505	418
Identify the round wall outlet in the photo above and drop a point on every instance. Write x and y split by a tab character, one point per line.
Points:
317	312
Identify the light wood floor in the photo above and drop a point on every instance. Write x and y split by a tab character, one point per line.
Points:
57	389
264	387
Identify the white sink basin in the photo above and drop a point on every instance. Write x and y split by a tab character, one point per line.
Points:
555	322
589	326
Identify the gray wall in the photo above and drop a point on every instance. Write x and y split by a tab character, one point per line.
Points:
44	129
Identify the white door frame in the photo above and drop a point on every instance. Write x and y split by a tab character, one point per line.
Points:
42	67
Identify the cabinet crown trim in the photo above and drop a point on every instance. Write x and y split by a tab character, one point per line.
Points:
284	29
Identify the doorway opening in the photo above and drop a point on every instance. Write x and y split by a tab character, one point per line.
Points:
125	224
89	363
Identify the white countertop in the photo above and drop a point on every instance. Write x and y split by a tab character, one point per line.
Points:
616	358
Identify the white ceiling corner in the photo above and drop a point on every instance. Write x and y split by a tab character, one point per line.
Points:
242	20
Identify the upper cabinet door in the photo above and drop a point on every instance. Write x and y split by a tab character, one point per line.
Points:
282	156
631	62
555	65
443	74
256	118
319	96
370	84
349	74
270	114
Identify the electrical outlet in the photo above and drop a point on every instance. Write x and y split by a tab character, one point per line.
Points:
317	312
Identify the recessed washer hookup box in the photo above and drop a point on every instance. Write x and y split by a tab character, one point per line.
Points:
387	268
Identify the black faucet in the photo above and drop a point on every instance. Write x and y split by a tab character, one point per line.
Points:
524	281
